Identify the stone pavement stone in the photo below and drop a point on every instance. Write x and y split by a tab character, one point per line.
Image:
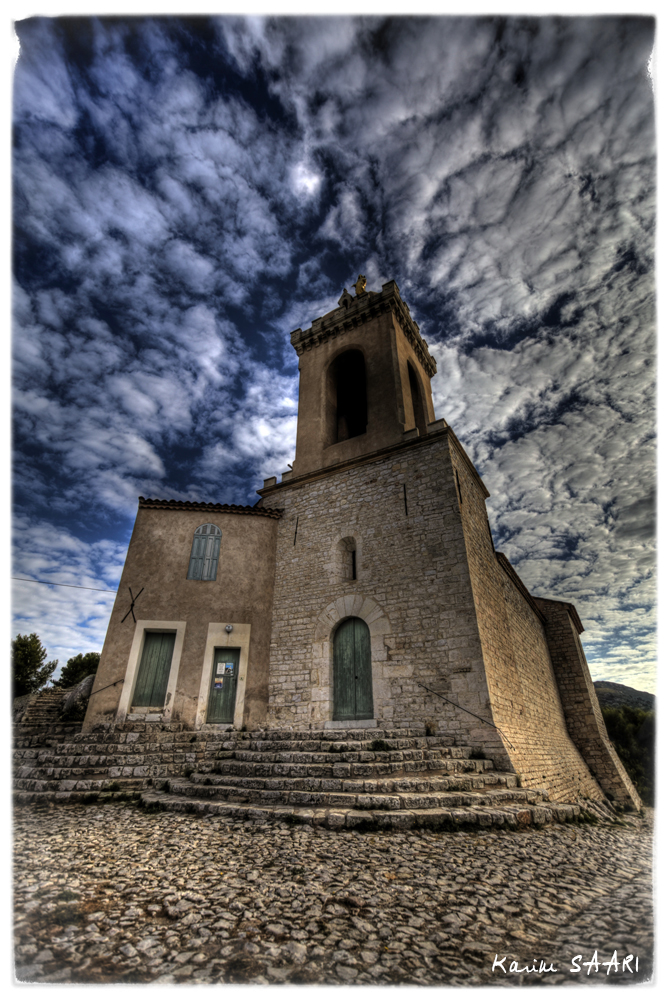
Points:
113	894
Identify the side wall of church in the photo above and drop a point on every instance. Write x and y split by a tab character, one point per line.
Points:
157	564
413	589
581	706
523	690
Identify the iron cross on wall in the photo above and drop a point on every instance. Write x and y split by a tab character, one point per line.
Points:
134	600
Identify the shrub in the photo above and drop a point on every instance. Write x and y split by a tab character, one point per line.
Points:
632	733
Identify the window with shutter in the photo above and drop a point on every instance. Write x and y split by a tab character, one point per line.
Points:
205	553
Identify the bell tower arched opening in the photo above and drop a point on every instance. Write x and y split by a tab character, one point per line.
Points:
346	398
417	400
354	388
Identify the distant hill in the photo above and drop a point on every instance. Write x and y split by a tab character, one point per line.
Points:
612	695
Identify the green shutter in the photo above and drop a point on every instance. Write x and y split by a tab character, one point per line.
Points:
197	557
151	683
211	557
205	553
352	671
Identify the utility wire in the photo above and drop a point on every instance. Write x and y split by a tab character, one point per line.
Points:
48	583
479	717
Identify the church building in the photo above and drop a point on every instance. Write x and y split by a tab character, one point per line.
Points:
362	590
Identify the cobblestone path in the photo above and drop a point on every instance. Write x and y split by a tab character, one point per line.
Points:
113	894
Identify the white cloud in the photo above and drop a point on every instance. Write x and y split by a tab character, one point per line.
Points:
501	171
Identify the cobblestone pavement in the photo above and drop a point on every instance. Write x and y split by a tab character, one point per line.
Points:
112	894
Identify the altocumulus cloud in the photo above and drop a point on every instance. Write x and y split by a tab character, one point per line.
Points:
188	191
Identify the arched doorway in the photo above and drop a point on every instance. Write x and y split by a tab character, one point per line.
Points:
352	671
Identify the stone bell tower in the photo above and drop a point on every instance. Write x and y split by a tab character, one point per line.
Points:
365	377
391	607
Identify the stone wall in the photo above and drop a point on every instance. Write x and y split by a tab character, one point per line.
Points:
413	589
523	691
585	722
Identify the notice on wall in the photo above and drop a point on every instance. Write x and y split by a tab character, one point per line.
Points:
219	669
228	668
217	686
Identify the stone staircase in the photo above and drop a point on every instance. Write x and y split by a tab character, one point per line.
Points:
334	778
44	709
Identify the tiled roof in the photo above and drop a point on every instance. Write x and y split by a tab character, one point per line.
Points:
223	508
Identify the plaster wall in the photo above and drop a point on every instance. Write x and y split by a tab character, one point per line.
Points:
157	561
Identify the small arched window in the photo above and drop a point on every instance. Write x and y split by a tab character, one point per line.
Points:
205	553
346	558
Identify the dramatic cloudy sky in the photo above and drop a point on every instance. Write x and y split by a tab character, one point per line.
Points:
188	191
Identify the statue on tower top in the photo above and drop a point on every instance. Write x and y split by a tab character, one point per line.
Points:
360	285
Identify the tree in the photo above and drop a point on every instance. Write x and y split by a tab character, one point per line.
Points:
77	668
632	733
29	672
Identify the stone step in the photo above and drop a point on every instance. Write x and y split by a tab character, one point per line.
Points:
48	760
444	782
509	814
103	742
350	800
342	757
341	770
306	742
34	735
80	784
276	741
41	797
45	708
243	752
413	769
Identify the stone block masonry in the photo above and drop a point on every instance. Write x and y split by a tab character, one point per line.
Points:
585	723
374	551
444	610
524	695
412	589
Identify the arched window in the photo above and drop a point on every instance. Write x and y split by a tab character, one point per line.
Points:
346	558
346	398
417	401
205	553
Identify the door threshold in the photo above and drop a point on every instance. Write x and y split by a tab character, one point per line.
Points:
351	724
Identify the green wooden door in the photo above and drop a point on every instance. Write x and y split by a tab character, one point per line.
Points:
222	699
151	683
352	671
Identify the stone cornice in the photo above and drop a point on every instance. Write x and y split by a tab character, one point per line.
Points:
361	309
350	463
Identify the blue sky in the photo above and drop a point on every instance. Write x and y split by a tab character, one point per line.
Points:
188	191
